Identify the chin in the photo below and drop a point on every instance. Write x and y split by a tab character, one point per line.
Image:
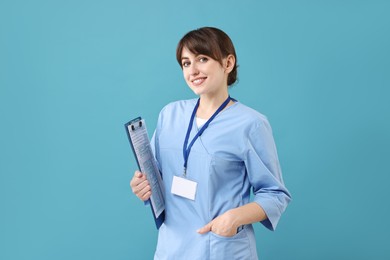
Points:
197	91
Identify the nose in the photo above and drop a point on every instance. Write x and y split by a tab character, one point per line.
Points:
193	70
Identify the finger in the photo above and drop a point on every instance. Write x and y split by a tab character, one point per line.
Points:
146	196
138	174
145	190
137	189
205	229
137	179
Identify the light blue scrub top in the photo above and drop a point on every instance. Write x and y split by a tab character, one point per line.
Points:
235	154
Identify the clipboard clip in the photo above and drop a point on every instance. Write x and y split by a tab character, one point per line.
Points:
139	125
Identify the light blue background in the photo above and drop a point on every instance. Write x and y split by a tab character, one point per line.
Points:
73	72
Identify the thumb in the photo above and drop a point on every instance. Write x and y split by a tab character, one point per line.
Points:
139	174
205	229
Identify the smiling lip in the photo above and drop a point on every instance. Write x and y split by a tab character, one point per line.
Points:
198	81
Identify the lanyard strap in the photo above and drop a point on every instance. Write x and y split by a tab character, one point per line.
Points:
187	150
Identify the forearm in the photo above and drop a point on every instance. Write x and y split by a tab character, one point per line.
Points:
228	223
247	214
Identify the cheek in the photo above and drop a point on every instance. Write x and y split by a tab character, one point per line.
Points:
186	79
185	75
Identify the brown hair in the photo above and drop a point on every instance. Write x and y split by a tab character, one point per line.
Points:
211	42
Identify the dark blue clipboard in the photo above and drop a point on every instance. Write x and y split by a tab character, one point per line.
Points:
160	219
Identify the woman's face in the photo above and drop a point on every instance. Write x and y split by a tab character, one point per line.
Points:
204	75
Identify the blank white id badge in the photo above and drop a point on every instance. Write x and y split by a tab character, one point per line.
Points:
184	188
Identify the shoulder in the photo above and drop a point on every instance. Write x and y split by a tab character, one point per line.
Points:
257	127
249	116
179	105
177	110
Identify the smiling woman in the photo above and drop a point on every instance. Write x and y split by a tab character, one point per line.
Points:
218	161
204	75
210	42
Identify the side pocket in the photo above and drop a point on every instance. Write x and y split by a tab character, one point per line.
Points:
230	248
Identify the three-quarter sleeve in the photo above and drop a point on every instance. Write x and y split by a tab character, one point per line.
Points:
263	169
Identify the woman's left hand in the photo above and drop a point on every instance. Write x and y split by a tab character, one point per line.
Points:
223	225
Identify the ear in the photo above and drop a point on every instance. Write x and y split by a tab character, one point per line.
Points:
229	63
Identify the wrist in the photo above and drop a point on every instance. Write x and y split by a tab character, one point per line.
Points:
235	217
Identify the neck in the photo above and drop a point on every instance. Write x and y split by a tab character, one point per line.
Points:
209	104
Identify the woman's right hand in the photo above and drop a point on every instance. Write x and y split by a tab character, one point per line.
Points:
140	186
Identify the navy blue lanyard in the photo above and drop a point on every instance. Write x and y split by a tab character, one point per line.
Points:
187	150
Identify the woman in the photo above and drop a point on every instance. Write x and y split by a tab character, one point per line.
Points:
219	149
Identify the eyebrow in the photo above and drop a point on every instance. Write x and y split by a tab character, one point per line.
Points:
196	55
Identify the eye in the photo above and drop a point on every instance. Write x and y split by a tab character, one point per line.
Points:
203	59
185	63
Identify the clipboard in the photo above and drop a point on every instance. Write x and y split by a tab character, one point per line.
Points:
140	144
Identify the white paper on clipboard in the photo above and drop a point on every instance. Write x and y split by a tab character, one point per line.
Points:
139	140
